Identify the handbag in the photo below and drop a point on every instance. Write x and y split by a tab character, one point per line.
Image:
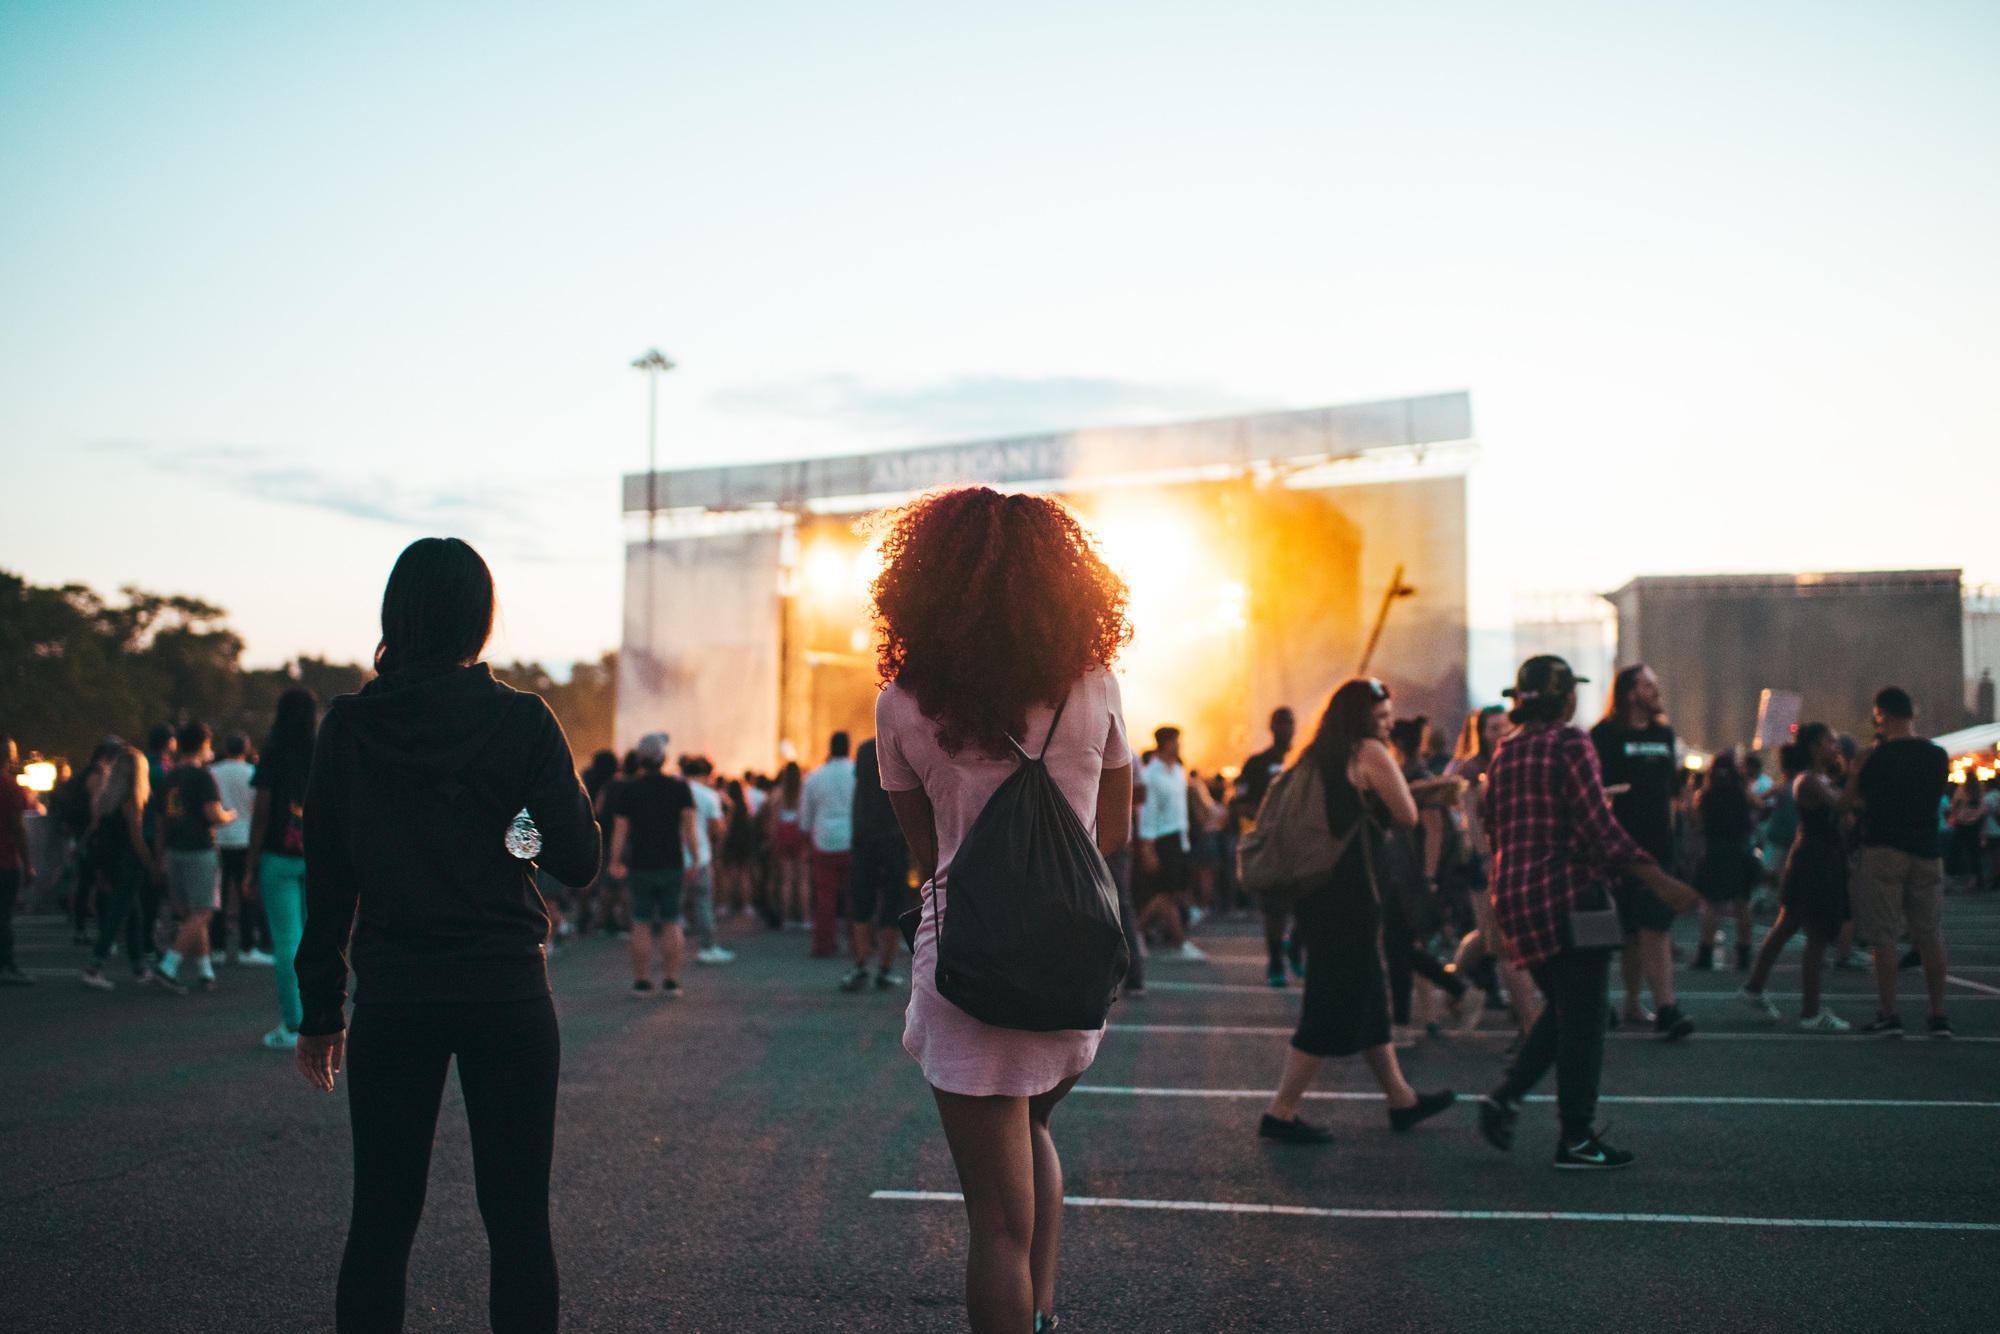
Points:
1594	928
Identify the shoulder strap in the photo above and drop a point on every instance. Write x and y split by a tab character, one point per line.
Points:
1054	723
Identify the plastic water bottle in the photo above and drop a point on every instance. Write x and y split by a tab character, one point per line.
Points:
523	839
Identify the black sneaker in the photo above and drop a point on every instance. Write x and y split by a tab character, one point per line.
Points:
1670	1025
670	989
1496	1121
1884	1026
856	980
641	987
1293	1131
1941	1027
1592	1155
1424	1108
168	983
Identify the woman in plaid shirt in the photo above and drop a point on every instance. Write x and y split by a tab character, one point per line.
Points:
1557	848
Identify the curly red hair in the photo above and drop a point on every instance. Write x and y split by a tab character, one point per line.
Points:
989	604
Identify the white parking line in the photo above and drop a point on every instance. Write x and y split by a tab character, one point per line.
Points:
1456	1215
1637	1100
1993	992
1701	1036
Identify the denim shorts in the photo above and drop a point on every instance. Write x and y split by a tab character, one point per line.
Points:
656	895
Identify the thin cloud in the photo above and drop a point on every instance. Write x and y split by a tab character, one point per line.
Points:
971	406
523	519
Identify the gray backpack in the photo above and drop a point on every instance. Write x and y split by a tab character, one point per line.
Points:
1291	852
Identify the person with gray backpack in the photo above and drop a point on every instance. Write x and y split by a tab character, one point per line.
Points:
1001	744
1318	836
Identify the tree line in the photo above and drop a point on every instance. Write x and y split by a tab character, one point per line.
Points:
76	667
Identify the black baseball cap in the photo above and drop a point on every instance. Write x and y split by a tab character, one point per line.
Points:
1544	676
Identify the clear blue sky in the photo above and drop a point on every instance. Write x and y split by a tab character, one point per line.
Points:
282	287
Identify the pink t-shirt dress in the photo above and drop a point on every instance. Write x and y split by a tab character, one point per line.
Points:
957	1052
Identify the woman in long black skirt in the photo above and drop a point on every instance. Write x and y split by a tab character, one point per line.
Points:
1345	1009
413	839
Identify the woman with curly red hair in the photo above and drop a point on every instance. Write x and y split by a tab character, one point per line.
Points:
999	620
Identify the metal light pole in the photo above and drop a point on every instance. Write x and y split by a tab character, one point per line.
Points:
653	363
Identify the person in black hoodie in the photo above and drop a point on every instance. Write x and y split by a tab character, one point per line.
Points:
415	854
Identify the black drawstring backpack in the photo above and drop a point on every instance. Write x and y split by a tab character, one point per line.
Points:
1031	937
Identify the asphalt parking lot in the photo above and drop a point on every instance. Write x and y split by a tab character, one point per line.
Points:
760	1155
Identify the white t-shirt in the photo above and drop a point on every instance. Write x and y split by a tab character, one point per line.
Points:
826	806
1165	810
707	806
233	777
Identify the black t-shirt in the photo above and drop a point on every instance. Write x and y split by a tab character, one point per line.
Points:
189	791
1259	772
285	827
652	804
1725	813
1644	758
874	817
1902	783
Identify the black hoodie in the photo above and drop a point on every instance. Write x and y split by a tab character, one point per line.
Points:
414	783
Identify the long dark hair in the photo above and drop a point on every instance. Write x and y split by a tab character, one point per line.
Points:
1346	722
989	604
437	610
1618	700
288	750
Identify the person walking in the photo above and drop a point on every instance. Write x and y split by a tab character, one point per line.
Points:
17	862
1557	852
998	616
192	814
415	853
1636	756
654	826
789	846
1898	784
881	876
233	775
1482	954
277	872
1253	780
1346	1006
1728	870
699	899
125	858
1163	845
1813	887
826	817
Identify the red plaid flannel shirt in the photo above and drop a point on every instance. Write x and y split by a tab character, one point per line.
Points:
1552	833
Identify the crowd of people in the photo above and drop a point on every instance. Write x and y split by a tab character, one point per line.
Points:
432	839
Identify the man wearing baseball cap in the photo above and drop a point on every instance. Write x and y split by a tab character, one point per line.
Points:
1558	850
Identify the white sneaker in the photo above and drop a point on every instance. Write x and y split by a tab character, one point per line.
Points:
1759	1002
281	1039
715	954
1193	952
257	957
95	979
1826	1021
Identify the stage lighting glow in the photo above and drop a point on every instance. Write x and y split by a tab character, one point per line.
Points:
828	570
38	777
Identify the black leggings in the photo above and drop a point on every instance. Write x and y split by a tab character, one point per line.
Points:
509	1054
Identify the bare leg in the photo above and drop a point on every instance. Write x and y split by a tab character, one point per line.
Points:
993	1149
1632	964
642	951
1711	917
1300	1068
1885	976
1656	952
1389	1074
670	949
857	939
1782	931
1809	969
1745	925
1043	1255
1931	950
887	939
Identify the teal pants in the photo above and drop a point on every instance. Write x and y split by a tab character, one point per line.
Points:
282	883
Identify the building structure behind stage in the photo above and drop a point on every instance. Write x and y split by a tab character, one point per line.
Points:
1258	549
1718	641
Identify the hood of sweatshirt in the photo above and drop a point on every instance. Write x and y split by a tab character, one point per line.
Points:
438	721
